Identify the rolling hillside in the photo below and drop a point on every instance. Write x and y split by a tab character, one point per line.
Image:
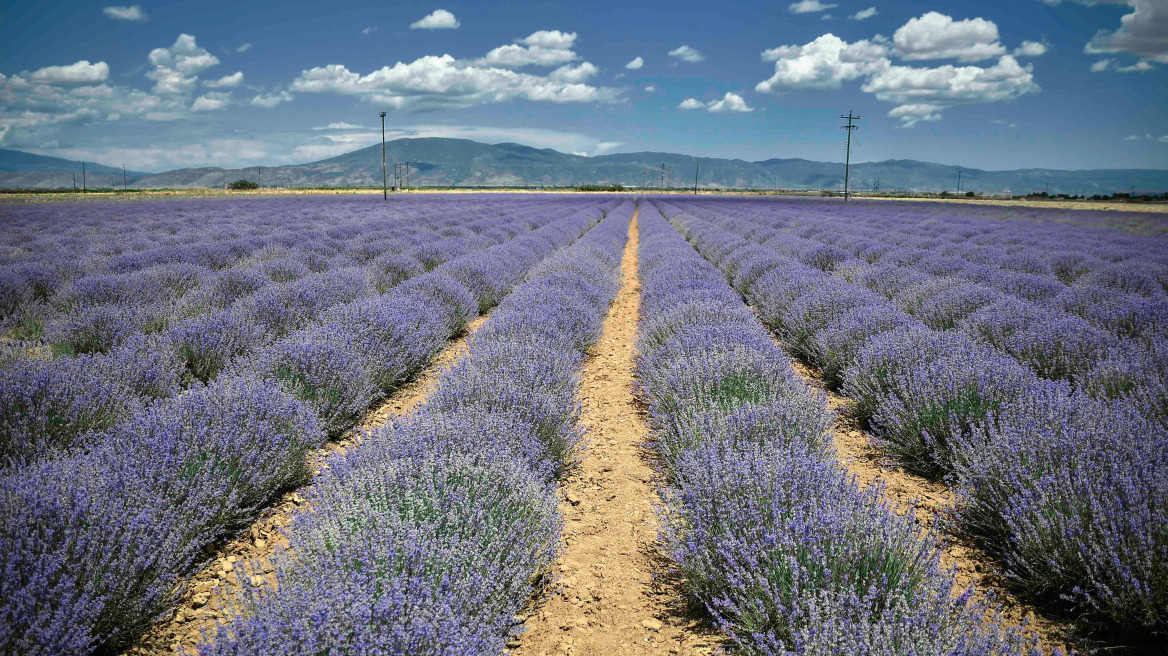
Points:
461	162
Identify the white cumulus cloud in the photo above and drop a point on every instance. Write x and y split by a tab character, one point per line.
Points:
822	64
433	82
809	6
947	86
131	13
269	100
176	68
912	114
731	102
81	72
210	102
1147	137
635	64
439	19
574	74
1030	49
937	36
342	126
686	53
863	14
227	81
1142	33
542	48
1142	66
917	93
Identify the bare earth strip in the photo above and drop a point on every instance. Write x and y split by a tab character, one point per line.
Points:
201	606
930	500
613	595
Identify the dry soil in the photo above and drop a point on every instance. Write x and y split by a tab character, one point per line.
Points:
615	593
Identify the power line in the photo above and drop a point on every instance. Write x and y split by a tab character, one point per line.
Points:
848	156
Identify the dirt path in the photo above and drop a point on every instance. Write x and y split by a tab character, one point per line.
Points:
613	596
201	606
930	499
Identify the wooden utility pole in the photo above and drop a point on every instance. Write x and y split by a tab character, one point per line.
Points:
848	156
384	189
82	177
697	163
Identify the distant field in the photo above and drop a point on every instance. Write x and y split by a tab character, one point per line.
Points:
1102	206
247	422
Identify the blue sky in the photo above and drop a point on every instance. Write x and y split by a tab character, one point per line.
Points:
999	84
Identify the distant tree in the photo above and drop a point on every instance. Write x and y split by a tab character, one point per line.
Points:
596	187
242	185
969	194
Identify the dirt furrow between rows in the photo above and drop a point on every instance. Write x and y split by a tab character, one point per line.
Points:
931	500
613	595
203	605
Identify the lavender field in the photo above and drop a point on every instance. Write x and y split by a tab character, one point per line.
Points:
172	373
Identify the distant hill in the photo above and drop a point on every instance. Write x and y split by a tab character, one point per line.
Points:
21	170
16	161
461	162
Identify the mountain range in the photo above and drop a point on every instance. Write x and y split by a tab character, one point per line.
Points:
465	163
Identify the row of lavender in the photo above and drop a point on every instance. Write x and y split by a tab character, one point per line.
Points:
75	276
96	543
1068	490
430	537
1091	315
771	535
990	236
47	405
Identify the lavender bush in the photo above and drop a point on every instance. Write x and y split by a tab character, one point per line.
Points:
430	537
1075	308
1070	492
770	535
428	556
92	545
90	562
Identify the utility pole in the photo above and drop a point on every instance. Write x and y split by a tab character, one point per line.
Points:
697	164
959	181
82	177
848	156
666	170
384	182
